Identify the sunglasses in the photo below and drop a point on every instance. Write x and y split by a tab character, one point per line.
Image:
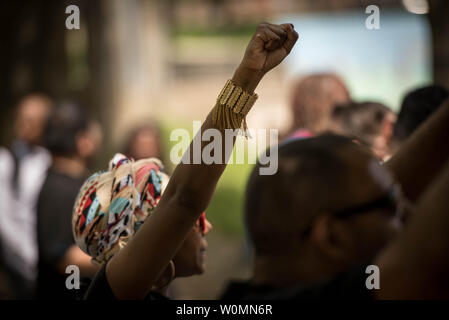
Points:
388	200
391	201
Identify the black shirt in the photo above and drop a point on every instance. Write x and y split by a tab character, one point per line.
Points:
54	233
347	285
99	289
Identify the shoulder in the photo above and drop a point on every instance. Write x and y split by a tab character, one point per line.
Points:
350	284
99	288
244	290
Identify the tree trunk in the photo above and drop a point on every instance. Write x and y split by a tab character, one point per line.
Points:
439	22
32	55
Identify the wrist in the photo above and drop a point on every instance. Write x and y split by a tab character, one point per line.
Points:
247	78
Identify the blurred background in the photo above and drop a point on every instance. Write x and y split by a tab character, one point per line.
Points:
161	63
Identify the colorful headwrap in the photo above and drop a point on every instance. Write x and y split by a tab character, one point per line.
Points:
112	205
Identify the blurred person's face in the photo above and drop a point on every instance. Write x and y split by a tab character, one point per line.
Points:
145	145
190	258
335	93
370	215
31	120
318	96
90	141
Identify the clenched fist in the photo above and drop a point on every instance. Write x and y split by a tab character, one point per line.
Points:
267	48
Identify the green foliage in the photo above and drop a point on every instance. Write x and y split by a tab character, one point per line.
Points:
225	211
244	30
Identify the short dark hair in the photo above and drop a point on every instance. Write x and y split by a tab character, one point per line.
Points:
278	206
416	107
67	120
361	120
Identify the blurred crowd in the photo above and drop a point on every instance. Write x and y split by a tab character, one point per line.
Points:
321	103
55	142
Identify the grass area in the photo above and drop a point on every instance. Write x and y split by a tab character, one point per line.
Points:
226	209
231	30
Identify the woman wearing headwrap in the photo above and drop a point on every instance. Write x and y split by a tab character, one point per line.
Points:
111	207
128	198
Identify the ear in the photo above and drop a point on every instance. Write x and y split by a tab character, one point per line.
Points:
333	238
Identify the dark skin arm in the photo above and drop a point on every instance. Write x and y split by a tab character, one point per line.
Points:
423	155
133	270
416	264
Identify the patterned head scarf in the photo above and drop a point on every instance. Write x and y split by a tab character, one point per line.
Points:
112	205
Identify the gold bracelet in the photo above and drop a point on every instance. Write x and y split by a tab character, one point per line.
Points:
233	104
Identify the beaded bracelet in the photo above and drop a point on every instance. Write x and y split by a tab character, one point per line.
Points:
233	104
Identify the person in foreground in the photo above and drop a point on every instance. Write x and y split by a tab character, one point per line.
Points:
332	210
131	271
124	196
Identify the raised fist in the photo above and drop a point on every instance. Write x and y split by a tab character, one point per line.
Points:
269	46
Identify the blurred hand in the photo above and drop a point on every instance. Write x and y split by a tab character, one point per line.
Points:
270	44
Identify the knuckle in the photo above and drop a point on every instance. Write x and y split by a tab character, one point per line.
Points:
263	25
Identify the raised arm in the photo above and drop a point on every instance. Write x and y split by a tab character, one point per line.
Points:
423	155
415	265
134	269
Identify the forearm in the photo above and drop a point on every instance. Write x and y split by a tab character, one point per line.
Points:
187	195
415	265
194	185
422	156
136	267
